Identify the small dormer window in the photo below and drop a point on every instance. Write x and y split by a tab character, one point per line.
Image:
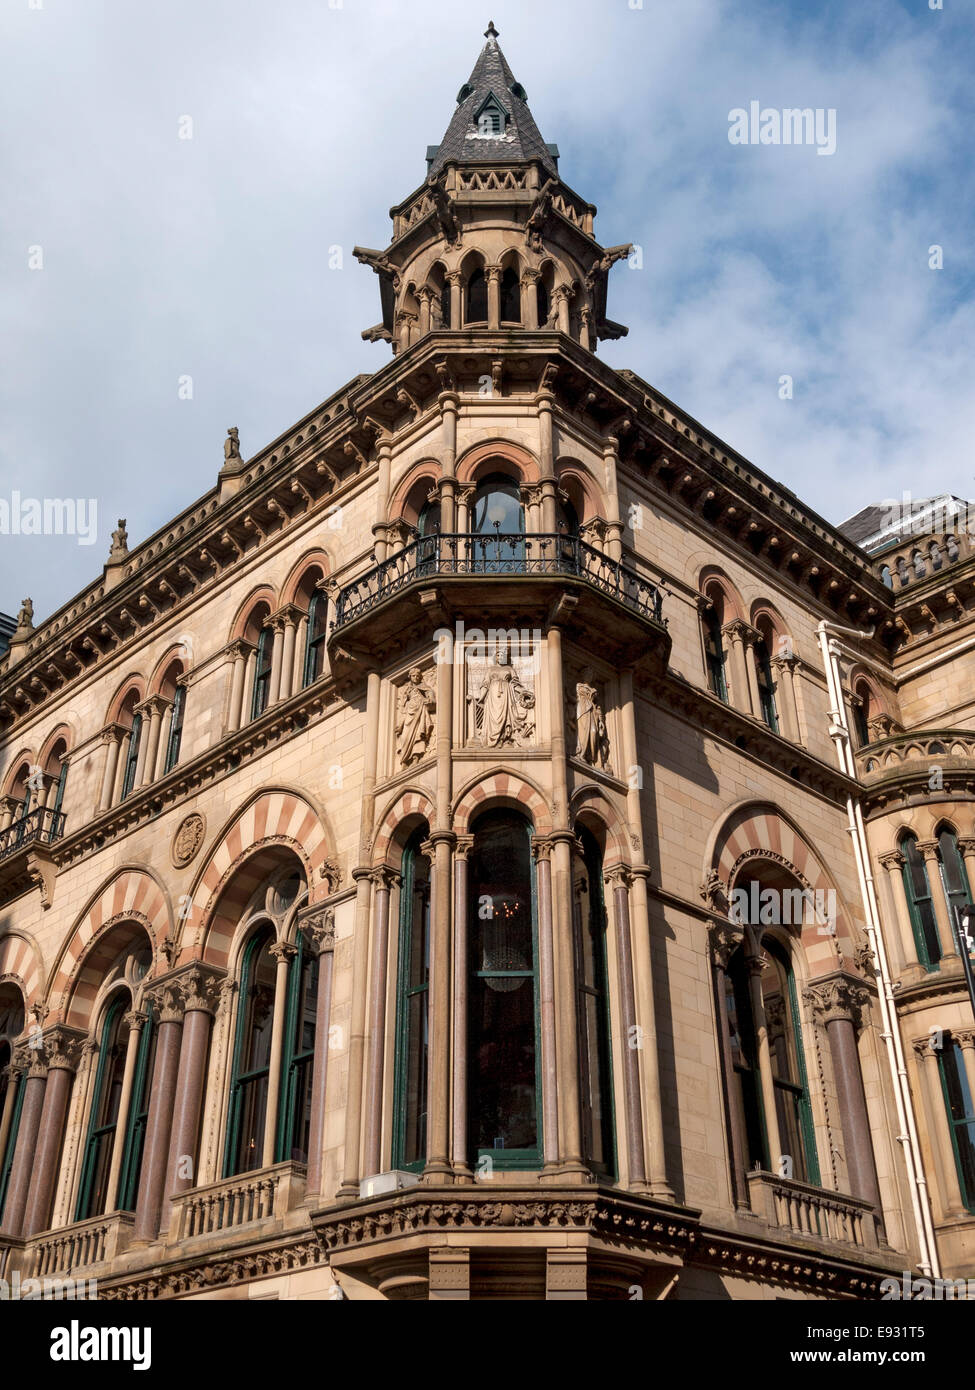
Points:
491	119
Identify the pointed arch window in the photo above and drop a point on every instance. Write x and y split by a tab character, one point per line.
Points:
316	637
920	906
595	1059
175	728
542	305
412	1004
132	755
477	298
262	672
103	1120
504	1054
510	296
715	652
960	1106
860	726
954	879
766	684
445	305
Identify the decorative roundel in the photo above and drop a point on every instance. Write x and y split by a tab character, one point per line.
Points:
188	839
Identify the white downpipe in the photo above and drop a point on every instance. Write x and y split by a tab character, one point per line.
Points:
839	732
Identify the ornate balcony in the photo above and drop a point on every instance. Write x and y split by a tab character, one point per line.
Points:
500	581
25	856
813	1213
235	1203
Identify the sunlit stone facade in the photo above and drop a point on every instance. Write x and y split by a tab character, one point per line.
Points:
375	835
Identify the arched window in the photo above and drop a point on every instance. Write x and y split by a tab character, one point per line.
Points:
714	649
103	1120
861	714
252	1057
132	755
316	638
477	304
954	879
919	903
793	1112
445	305
138	1118
504	1056
595	1062
175	728
542	302
497	519
510	296
960	1106
412	1002
11	1086
262	672
766	681
299	1053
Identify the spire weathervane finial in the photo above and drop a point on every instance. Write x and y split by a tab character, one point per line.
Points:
490	32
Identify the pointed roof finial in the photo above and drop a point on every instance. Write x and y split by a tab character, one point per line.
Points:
490	32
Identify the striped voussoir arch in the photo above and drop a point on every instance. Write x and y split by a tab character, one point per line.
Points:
20	965
245	855
504	787
131	896
409	804
755	833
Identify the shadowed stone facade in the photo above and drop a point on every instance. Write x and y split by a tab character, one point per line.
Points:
371	835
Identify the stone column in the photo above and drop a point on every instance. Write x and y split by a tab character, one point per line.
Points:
277	650
562	296
493	274
529	298
438	849
939	1136
465	500
240	651
966	845
902	941
456	305
135	1019
723	941
787	706
13	1073
112	739
424	296
965	1038
757	964
546	440
929	849
750	637
164	732
319	927
618	878
250	667
62	1054
839	1004
461	953
284	953
123	759
145	709
614	525
23	1162
200	990
383	882
149	748
9	806
542	850
449	404
291	620
155	1154
741	690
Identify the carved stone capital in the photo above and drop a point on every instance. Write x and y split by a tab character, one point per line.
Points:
283	951
965	1037
318	924
63	1047
739	630
200	988
892	860
966	843
167	999
838	998
723	940
463	846
929	849
618	876
135	1019
541	849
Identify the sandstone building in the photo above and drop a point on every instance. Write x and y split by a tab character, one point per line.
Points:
497	842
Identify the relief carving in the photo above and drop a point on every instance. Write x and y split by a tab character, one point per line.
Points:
501	701
415	719
592	740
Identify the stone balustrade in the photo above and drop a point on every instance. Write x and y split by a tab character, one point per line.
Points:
813	1213
239	1201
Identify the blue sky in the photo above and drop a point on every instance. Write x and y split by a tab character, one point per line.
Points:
209	257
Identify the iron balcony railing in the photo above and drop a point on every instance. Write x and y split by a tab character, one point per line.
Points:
502	553
41	826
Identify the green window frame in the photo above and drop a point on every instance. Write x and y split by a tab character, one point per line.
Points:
59	792
262	672
493	1059
102	1120
175	729
715	655
766	685
7	1157
412	1019
315	637
920	905
954	879
960	1109
241	1081
795	1094
132	755
138	1118
298	1055
592	985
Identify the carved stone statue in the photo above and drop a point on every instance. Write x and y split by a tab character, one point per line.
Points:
415	722
231	446
592	741
120	542
25	618
503	707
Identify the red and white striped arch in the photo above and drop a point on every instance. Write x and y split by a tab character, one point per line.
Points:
502	789
272	826
20	964
410	806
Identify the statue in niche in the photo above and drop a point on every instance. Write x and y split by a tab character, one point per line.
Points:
415	722
503	706
592	740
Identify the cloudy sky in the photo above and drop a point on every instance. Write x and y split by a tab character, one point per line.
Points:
162	258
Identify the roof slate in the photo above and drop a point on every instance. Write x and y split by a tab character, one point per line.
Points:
522	138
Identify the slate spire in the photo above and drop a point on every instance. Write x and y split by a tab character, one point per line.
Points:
492	121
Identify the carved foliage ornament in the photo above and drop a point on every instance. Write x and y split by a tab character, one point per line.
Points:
188	839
